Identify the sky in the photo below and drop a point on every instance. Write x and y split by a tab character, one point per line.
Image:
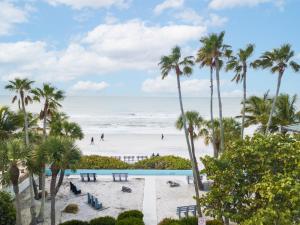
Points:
113	47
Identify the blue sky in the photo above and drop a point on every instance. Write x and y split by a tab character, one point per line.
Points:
112	47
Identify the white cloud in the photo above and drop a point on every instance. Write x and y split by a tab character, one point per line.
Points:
222	4
189	87
132	45
89	86
94	4
216	20
11	15
168	4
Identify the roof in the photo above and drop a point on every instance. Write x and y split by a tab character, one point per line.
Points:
292	128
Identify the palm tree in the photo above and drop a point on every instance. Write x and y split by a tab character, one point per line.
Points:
216	49
51	97
9	122
285	112
181	66
22	88
232	131
278	60
194	121
12	152
205	58
61	154
239	64
71	130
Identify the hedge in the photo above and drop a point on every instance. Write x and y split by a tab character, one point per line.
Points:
130	221
156	162
106	220
131	213
188	221
7	209
74	222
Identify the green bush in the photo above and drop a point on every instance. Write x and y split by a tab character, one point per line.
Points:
131	213
130	221
74	222
7	209
107	220
101	162
214	222
71	208
189	221
164	162
168	221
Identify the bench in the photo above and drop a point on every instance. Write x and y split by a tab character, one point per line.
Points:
88	177
94	202
74	189
186	210
120	177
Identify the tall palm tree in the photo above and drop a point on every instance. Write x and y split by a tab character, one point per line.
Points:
239	64
217	50
231	127
12	152
9	122
277	60
205	58
181	66
61	154
194	121
51	97
22	89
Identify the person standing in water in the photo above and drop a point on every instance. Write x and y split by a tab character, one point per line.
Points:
92	140
102	137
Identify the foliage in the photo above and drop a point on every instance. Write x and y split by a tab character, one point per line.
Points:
9	122
214	222
131	213
71	208
74	222
164	162
107	220
169	221
189	221
101	162
255	180
7	209
130	221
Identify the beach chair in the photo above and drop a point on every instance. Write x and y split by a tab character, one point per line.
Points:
190	179
89	198
97	204
186	210
94	177
121	177
76	191
92	201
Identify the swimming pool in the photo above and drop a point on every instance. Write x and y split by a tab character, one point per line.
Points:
130	172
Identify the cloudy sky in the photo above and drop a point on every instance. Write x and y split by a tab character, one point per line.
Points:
112	47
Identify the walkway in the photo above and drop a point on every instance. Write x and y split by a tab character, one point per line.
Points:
149	203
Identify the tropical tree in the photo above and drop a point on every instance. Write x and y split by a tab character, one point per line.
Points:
194	121
217	50
278	61
9	122
205	59
232	130
239	64
181	67
61	154
51	97
22	88
12	152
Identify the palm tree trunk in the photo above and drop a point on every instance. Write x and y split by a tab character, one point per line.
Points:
18	206
244	101
212	112
32	206
54	173
188	145
35	189
200	185
220	106
274	103
60	180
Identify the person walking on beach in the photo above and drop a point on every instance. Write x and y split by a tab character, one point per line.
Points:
162	136
92	140
102	137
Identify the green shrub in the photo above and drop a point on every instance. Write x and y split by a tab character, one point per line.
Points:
74	222
214	222
164	162
189	221
130	221
131	213
168	221
107	220
101	162
7	209
71	208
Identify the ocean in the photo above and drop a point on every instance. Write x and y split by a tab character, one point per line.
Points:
133	125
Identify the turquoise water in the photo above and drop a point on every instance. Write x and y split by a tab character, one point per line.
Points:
130	172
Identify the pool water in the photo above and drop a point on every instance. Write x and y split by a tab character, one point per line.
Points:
130	172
